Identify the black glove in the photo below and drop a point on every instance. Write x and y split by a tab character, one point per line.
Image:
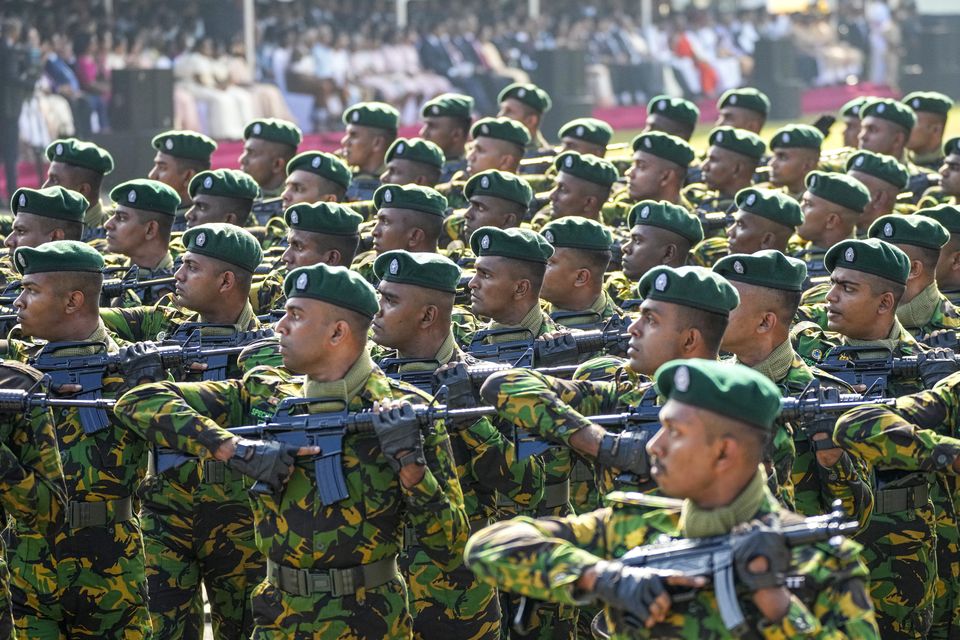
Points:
629	591
140	362
946	338
759	540
269	462
937	364
626	451
820	424
398	430
558	350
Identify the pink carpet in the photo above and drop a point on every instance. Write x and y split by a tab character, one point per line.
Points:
820	100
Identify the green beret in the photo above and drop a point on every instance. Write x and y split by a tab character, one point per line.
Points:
879	166
745	98
329	218
575	232
338	286
947	215
929	101
768	268
378	115
587	167
871	256
146	195
529	94
951	147
516	243
891	110
410	197
852	107
422	269
741	141
771	204
728	389
52	202
919	231
797	135
498	184
666	146
501	129
677	109
589	130
59	255
80	154
694	287
274	130
228	242
666	215
450	105
325	165
838	188
185	144
227	183
416	150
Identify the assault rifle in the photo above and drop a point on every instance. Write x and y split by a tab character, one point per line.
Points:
214	350
870	366
540	352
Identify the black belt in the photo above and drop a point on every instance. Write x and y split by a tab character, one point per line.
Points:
895	499
554	495
336	582
98	514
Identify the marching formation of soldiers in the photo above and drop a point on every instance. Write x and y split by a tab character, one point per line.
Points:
470	383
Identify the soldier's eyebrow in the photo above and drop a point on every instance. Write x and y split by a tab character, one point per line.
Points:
844	283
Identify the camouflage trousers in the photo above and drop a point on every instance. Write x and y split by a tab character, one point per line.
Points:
541	620
946	603
6	614
210	542
379	613
90	585
453	603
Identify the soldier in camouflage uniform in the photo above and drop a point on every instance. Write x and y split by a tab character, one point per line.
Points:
494	199
661	233
764	219
80	166
268	145
527	104
949	188
796	152
885	127
925	146
496	143
581	188
674	116
850	114
758	335
731	160
87	580
221	195
180	156
918	433
446	123
868	279
884	178
138	232
371	129
719	417
586	136
745	108
331	568
197	523
658	172
948	264
32	489
41	216
409	217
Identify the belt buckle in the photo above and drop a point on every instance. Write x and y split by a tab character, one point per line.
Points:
82	514
214	472
342	582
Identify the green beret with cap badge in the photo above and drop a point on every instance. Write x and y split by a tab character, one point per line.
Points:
852	107
450	105
227	242
771	204
589	130
338	286
741	141
947	215
745	98
666	146
576	232
59	255
410	197
891	111
421	269
516	243
838	188
794	136
501	129
677	109
80	154
325	165
917	230
529	94
768	268
50	202
929	101
497	184
872	256
329	218
416	150
879	166
951	147
146	195
587	167
274	130
694	287
666	215
377	115
226	183
189	145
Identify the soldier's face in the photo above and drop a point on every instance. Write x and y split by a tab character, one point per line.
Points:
403	309
516	110
816	211
747	232
655	336
42	305
950	175
790	166
851	131
484	154
61	175
852	306
401	171
927	133
207	208
439	130
305	331
485	211
167	170
565	273
357	145
739	118
302	186
392	230
493	287
259	160
719	167
29	230
744	320
645	177
946	272
659	122
199	281
302	249
642	252
125	231
569	196
880	136
569	143
682	452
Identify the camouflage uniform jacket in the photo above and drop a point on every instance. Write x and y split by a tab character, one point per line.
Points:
929	311
362	185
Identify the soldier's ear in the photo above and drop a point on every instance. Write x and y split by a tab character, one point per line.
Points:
522	288
583	278
916	268
768	241
334	258
767	322
887	303
955	261
428	315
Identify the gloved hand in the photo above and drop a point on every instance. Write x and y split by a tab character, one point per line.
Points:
140	363
626	451
269	462
555	349
758	540
937	364
946	338
401	440
629	591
